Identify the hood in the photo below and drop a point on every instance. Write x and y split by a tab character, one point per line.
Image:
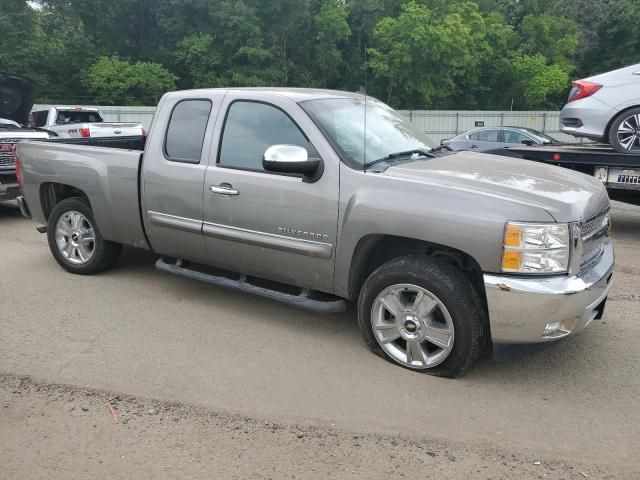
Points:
17	95
566	195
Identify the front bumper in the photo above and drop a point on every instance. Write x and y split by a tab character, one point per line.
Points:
542	309
9	188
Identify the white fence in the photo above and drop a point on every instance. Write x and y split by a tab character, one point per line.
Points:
437	124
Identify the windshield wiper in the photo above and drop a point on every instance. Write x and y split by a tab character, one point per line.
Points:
407	153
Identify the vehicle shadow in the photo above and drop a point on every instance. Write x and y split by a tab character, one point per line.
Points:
580	357
141	263
9	210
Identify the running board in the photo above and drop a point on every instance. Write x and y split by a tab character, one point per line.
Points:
301	301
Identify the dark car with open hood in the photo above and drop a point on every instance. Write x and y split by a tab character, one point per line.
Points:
17	95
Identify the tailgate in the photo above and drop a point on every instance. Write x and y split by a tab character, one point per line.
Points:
115	129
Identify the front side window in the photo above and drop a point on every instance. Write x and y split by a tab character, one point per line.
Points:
363	135
250	129
511	136
186	130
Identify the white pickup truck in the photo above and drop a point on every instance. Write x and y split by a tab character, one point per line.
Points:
81	122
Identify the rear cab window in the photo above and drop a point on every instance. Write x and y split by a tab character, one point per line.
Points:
65	117
186	131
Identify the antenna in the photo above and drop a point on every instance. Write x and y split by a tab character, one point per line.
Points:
364	140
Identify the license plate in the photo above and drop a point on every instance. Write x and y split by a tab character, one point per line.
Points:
627	176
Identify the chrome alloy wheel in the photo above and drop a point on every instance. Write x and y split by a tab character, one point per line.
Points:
75	237
412	326
629	133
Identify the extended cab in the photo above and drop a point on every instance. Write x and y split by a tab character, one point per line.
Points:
81	122
316	198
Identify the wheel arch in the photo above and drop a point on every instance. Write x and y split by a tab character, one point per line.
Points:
376	249
52	193
610	124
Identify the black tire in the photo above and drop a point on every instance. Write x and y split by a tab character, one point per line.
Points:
614	141
453	290
105	253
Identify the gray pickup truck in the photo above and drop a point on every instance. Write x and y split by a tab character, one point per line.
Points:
318	198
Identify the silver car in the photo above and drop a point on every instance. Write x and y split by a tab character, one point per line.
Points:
606	108
488	139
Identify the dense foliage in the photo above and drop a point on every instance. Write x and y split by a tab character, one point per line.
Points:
449	54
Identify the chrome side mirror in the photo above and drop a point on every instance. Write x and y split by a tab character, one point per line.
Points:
290	159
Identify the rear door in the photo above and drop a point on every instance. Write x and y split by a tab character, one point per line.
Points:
485	140
270	225
173	174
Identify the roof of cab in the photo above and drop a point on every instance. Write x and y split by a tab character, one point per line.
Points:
295	94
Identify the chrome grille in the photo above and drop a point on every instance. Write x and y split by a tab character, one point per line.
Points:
593	232
7	154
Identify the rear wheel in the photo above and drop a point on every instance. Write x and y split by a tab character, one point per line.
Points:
423	314
76	242
624	135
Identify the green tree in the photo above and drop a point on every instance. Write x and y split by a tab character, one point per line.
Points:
331	27
115	81
420	54
556	38
618	43
199	55
536	81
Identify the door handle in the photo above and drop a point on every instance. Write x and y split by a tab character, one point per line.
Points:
224	189
474	146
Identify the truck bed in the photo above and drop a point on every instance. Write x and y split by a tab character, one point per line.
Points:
108	176
618	171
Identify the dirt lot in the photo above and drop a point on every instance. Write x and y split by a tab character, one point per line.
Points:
208	383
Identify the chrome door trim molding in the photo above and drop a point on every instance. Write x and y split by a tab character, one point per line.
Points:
269	240
173	221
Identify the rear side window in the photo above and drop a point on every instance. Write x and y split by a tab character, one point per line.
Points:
250	129
488	136
186	130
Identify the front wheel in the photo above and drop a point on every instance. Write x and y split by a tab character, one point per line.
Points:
76	242
624	135
423	314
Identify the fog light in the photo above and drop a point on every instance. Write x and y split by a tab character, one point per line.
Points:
558	329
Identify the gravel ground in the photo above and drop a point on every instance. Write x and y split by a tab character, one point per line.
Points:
211	383
57	431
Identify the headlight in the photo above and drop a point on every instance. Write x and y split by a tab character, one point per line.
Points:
536	248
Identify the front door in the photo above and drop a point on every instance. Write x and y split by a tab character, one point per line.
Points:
265	224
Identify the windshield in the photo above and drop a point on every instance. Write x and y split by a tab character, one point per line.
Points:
343	121
542	136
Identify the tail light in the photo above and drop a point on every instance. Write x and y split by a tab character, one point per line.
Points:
19	171
583	89
85	132
143	132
